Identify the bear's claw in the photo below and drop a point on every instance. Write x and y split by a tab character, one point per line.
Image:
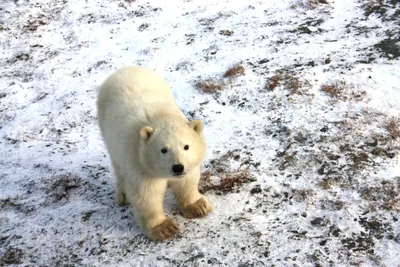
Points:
197	210
120	198
167	229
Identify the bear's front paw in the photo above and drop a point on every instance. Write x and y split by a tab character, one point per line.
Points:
197	210
167	229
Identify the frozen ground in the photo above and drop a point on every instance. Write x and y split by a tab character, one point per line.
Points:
314	120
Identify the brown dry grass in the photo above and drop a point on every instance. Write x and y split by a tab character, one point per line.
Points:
358	160
330	182
335	90
228	180
210	85
290	82
294	84
234	71
303	194
214	85
341	90
394	129
273	82
383	195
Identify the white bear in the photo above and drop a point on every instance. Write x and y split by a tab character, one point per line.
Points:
151	145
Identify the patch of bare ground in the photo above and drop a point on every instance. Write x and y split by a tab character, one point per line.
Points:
61	185
8	202
220	177
11	256
17	204
34	23
379	7
341	152
209	21
309	4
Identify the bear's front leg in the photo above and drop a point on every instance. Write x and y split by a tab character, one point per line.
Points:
119	189
147	204
191	203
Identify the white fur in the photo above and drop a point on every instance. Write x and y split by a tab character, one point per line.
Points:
138	117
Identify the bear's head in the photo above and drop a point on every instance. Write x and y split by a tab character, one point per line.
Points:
171	149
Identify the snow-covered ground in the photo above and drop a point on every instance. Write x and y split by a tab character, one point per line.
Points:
314	120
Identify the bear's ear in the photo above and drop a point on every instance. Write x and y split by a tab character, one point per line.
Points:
146	132
197	126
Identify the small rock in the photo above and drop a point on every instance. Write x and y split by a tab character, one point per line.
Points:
333	230
323	242
324	129
333	157
318	222
373	143
256	190
321	170
226	32
143	27
304	29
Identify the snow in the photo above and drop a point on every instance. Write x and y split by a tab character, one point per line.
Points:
328	198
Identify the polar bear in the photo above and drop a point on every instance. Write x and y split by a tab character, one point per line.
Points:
151	145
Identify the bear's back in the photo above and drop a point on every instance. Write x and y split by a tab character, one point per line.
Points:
133	86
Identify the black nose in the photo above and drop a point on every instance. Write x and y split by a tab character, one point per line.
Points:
178	168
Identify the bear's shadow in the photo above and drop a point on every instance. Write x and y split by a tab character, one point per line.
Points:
118	220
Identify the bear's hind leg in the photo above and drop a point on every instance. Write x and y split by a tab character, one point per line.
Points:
191	203
120	198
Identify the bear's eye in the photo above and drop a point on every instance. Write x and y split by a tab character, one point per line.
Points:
164	150
186	147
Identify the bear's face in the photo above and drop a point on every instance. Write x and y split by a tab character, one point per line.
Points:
171	150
